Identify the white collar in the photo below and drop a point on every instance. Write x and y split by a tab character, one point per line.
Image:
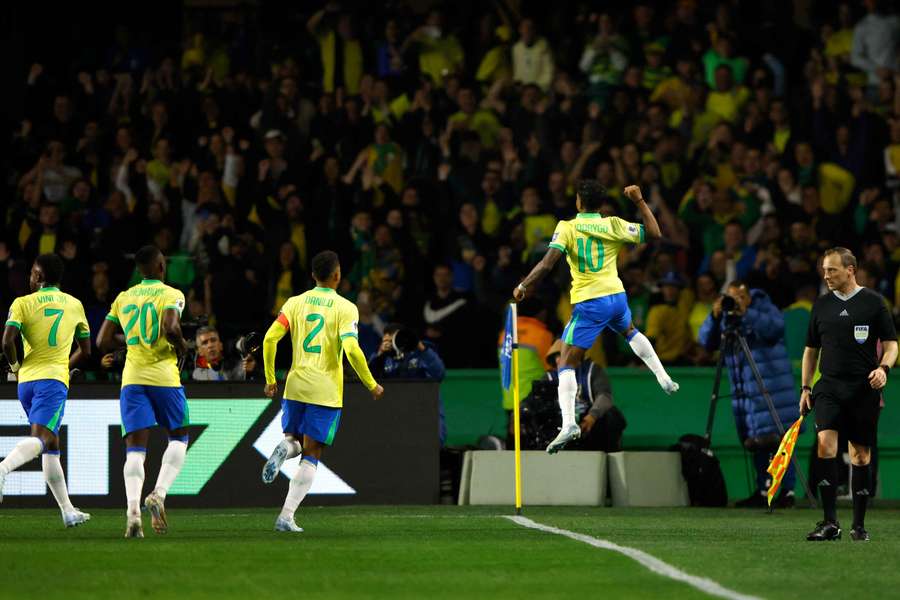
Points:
843	297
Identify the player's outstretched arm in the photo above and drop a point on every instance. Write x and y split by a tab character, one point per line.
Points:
539	271
651	227
358	361
270	345
9	346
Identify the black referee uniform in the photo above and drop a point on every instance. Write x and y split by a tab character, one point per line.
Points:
847	329
847	332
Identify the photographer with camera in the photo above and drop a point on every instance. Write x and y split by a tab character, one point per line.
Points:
402	355
213	364
752	314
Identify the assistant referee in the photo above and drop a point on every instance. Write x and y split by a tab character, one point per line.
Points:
846	325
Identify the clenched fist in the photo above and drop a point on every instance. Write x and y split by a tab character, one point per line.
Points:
633	193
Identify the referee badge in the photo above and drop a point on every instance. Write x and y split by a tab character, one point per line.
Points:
861	333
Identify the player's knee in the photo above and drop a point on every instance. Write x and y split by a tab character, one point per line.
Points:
860	455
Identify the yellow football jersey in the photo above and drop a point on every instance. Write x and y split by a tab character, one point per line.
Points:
318	320
151	359
49	320
591	243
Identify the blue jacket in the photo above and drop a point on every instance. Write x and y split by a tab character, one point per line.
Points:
424	364
763	328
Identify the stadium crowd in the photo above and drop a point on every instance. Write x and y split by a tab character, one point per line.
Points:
436	153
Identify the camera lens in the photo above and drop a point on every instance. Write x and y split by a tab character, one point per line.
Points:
728	303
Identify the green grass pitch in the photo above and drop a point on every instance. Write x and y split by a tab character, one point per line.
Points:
441	552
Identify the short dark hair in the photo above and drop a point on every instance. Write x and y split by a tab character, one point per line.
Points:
146	258
847	257
51	266
592	194
205	330
324	264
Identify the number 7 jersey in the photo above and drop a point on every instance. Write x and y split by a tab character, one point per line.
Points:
318	321
48	320
151	359
591	243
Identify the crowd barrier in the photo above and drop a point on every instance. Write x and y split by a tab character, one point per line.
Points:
385	451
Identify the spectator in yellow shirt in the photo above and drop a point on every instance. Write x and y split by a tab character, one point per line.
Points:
440	54
726	100
667	323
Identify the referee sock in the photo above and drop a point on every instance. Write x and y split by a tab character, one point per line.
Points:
133	472
568	389
828	480
861	480
25	451
300	484
172	461
56	480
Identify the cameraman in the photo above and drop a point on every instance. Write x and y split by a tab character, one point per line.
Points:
752	314
402	355
213	365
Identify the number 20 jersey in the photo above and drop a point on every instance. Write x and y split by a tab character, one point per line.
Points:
591	243
318	321
151	359
48	320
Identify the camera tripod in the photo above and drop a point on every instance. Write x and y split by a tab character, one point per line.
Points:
733	341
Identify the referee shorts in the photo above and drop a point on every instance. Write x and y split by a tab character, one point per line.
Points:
849	406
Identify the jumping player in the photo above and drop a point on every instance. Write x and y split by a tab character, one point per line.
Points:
591	243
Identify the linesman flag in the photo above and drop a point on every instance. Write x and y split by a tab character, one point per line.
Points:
782	459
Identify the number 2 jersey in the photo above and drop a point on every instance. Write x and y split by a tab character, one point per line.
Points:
48	320
318	321
151	359
591	243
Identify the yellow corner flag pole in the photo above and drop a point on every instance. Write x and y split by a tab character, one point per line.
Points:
516	426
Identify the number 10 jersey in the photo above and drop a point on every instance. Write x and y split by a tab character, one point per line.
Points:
591	243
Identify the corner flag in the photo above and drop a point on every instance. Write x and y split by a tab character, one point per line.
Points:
509	370
506	352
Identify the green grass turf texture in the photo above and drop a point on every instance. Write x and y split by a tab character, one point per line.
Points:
441	552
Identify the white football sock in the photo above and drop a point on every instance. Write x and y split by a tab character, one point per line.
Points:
300	484
172	461
644	350
134	480
294	448
568	388
25	451
56	481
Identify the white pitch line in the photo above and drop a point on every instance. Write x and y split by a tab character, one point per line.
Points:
651	562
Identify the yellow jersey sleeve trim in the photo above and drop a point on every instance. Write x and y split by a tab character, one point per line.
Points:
641	228
559	247
113	318
83	334
346	335
15	324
